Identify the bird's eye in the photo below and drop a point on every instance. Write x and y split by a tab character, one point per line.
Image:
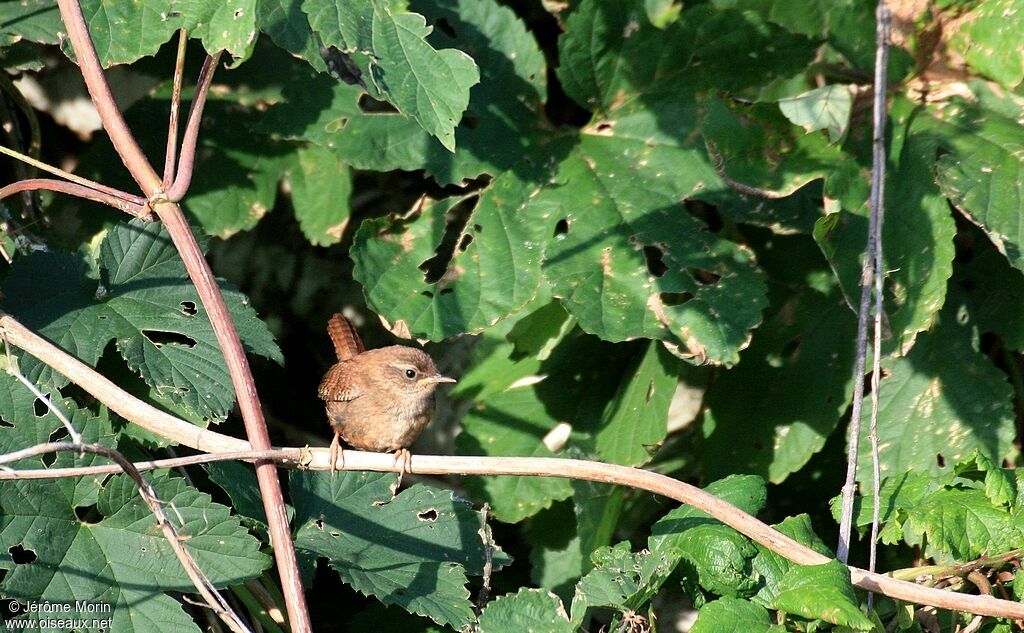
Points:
410	373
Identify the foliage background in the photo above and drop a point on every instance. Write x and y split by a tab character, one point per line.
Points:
581	258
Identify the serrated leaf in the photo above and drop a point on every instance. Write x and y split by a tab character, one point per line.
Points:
529	610
732	615
825	108
147	303
987	39
430	85
621	579
321	186
288	27
413	549
802	362
120	558
940	403
964	523
822	592
1000	483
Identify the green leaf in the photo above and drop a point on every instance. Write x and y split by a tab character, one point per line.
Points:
822	592
732	615
802	362
621	579
994	292
538	333
760	148
978	170
919	229
964	524
940	403
148	304
528	610
413	550
321	185
429	85
1000	483
99	544
720	555
987	39
773	568
492	271
32	20
823	108
636	422
288	27
125	31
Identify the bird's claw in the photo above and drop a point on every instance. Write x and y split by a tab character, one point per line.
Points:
337	455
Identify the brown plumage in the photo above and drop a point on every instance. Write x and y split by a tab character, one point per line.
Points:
379	399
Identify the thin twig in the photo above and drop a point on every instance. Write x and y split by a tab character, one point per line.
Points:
182	432
718	163
141	211
186	165
485	589
206	589
170	156
872	263
12	368
85	182
213	301
878	212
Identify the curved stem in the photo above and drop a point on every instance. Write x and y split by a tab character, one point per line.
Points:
85	182
188	144
140	211
182	432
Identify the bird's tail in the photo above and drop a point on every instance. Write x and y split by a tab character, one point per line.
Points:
345	338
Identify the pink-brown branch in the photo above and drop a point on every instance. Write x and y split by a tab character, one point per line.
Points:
186	163
141	211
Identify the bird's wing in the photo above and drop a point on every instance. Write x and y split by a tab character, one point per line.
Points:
345	338
338	384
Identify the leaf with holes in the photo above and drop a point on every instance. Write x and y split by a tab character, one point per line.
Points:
621	579
429	85
146	302
124	31
76	541
802	360
413	550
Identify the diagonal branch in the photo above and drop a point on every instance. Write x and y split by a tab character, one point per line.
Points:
213	301
317	459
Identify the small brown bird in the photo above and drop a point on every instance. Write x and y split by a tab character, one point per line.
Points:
379	399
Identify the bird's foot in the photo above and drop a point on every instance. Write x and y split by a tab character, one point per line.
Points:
403	457
337	454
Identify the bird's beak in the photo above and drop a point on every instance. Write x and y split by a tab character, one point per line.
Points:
438	378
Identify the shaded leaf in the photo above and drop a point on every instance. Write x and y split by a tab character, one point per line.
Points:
621	579
528	610
321	186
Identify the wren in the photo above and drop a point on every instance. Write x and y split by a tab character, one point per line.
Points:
379	399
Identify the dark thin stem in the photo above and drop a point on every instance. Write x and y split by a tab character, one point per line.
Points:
188	144
85	182
140	211
878	212
872	256
170	156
